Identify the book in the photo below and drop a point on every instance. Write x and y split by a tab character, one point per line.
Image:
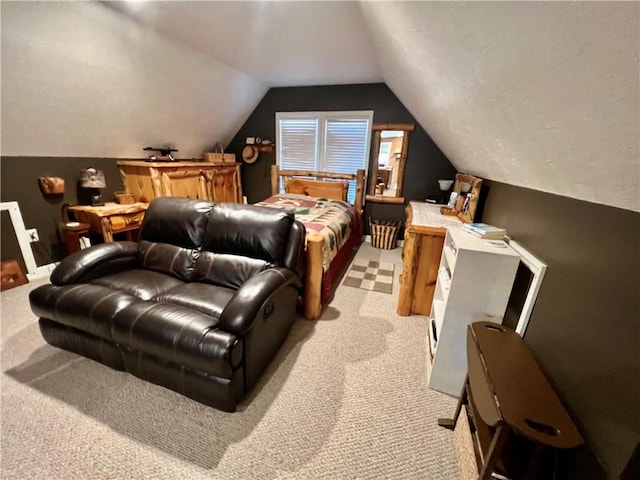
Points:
483	230
486	236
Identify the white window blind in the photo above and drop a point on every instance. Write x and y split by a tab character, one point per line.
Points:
298	143
335	142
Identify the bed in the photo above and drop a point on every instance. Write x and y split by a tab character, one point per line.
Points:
334	226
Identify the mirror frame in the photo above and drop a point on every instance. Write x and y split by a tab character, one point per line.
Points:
377	130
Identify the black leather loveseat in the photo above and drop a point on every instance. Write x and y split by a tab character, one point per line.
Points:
199	304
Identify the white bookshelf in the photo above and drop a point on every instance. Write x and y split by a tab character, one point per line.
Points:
474	283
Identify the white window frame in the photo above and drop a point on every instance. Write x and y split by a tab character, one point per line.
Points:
322	117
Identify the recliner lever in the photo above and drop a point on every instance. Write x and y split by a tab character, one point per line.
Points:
268	309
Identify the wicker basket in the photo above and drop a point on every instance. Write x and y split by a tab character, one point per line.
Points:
384	234
218	155
125	198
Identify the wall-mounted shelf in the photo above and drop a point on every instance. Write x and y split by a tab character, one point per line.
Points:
262	147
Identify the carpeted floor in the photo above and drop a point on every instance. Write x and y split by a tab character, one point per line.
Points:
345	398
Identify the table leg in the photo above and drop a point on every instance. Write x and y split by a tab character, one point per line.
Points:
107	232
450	423
409	267
495	449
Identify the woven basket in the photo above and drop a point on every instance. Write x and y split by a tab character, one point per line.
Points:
218	155
125	198
384	234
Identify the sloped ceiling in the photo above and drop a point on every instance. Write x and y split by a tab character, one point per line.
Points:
80	79
541	95
281	43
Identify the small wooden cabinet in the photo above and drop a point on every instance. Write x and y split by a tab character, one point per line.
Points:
214	181
423	239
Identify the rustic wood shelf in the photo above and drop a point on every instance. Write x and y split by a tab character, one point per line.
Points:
262	147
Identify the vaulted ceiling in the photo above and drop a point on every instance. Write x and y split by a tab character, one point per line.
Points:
542	95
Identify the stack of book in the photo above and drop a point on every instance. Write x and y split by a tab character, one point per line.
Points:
482	230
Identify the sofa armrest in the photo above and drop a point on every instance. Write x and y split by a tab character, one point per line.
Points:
247	304
96	261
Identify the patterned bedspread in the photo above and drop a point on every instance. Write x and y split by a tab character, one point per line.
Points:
333	219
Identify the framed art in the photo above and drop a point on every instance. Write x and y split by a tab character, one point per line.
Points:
11	275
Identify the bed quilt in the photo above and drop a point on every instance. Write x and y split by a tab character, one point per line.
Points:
333	219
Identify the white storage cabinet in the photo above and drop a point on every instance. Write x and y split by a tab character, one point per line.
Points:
474	282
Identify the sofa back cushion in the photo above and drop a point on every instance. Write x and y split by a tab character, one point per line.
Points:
249	230
172	235
240	241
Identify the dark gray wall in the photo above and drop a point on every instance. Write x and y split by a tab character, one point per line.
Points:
425	162
585	328
19	183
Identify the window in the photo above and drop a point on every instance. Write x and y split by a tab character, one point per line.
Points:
335	142
383	157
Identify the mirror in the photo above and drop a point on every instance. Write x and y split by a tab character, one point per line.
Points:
390	146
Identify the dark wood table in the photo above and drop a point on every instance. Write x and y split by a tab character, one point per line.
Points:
510	401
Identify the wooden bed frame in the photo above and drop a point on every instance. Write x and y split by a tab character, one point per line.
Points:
319	285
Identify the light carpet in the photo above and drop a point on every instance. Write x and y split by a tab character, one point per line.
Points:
345	398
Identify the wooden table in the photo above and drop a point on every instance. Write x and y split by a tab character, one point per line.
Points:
423	239
111	218
516	413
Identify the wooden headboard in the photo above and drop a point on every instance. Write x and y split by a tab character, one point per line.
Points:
317	188
320	184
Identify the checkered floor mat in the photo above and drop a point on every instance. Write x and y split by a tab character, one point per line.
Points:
370	275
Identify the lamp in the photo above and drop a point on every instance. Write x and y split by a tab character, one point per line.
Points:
93	179
445	185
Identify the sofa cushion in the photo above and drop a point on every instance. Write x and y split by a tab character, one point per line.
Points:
172	234
176	221
179	335
87	307
176	261
144	284
248	230
226	270
207	299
